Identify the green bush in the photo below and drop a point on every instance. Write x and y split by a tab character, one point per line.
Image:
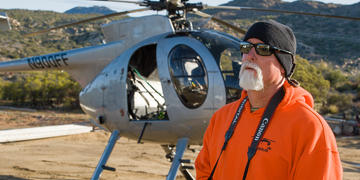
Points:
42	89
333	109
336	78
342	101
311	79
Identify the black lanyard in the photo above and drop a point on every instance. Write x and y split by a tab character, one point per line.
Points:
269	111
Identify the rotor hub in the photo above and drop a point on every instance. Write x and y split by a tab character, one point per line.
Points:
176	11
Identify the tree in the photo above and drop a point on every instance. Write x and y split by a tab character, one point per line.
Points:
42	89
311	79
336	78
343	102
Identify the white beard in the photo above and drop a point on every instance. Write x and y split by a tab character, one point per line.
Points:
248	80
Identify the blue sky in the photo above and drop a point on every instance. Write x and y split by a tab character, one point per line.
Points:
63	5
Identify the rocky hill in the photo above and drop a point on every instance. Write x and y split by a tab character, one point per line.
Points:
90	10
318	38
14	45
333	40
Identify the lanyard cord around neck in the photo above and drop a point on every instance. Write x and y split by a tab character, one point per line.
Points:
230	132
269	111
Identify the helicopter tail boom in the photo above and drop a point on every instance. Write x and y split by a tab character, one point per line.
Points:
82	64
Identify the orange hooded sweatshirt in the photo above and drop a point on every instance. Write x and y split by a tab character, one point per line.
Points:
297	144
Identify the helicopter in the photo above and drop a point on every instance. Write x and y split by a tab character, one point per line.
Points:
156	79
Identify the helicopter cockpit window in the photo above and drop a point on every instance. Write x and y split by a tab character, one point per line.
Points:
225	50
188	76
230	70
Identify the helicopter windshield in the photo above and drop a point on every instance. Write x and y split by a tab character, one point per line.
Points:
226	51
189	77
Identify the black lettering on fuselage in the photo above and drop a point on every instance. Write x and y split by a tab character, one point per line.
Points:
57	58
30	64
38	62
34	63
50	61
45	62
53	62
64	58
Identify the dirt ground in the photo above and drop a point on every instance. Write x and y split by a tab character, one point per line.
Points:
76	156
349	148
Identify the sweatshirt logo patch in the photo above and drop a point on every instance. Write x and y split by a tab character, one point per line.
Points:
265	145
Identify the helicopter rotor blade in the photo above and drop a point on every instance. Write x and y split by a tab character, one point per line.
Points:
202	14
85	21
281	11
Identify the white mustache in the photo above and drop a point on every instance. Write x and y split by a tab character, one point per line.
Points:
250	65
248	80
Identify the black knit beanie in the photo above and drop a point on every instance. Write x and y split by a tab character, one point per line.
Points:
278	35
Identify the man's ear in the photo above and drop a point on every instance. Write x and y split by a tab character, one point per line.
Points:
282	70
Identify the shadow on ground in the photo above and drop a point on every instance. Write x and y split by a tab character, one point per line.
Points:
6	177
355	167
349	141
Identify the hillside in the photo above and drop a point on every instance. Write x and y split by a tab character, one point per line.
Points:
318	38
14	45
90	10
335	41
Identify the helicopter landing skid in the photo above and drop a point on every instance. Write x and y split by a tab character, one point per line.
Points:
105	156
177	161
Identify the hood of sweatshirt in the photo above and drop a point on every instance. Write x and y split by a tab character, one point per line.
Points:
296	95
293	95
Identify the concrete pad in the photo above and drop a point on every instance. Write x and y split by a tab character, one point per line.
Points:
14	135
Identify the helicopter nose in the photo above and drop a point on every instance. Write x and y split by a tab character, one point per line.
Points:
96	124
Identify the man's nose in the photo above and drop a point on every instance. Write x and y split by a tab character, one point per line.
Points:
249	56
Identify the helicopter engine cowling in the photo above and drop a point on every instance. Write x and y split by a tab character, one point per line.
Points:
136	29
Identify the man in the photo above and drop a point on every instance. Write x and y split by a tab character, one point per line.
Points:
272	131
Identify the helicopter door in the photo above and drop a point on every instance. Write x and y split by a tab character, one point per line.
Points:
188	73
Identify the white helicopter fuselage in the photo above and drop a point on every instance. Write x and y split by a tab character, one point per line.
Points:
176	105
110	88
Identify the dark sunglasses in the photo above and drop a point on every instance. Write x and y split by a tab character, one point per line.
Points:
261	49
